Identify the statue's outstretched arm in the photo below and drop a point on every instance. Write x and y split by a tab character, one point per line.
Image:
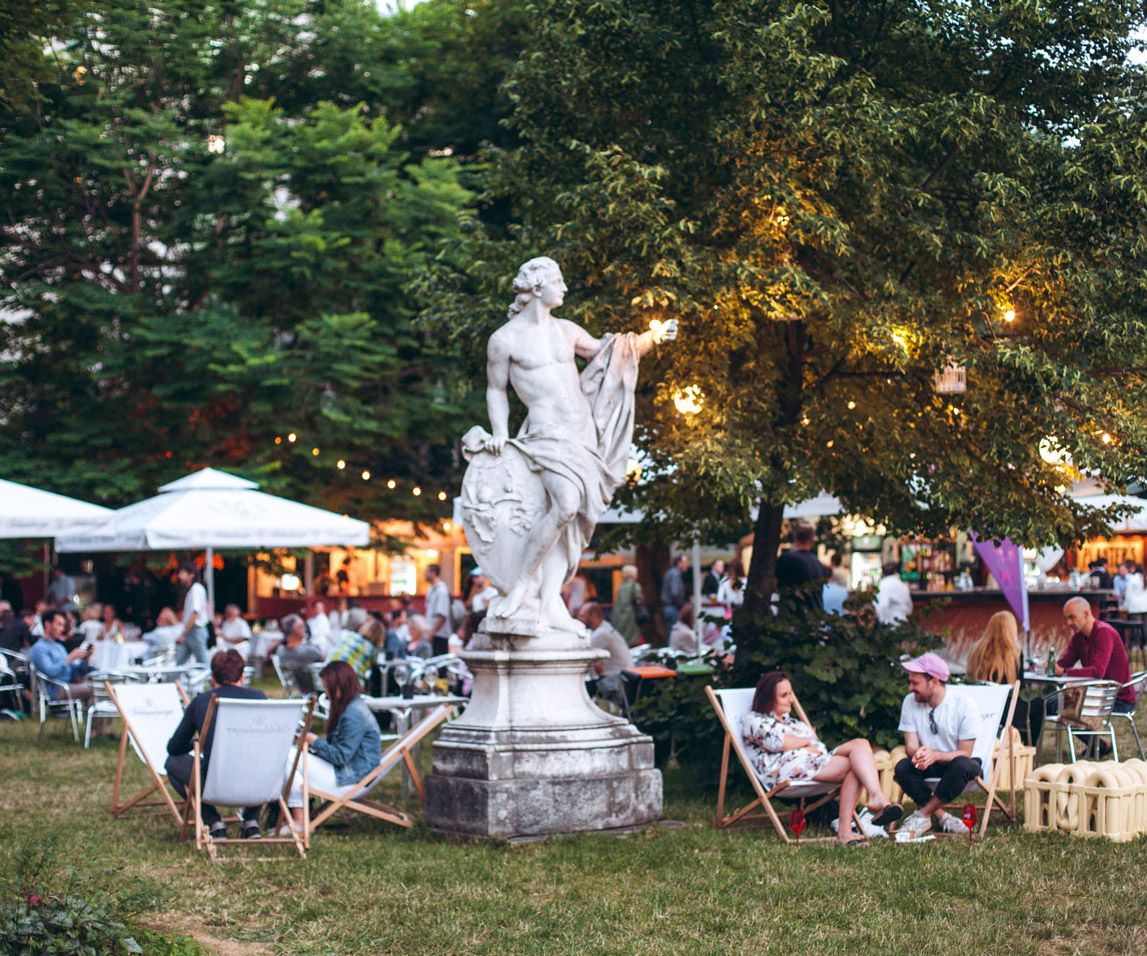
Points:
657	333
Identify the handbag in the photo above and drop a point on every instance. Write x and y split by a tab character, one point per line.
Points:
1071	709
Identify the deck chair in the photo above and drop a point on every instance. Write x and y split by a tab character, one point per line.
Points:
355	795
150	714
731	706
251	742
993	701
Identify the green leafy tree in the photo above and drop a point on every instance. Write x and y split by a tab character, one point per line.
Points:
194	274
837	200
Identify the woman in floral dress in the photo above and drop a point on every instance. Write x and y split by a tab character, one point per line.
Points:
784	748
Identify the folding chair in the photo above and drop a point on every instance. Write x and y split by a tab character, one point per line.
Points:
992	702
1137	678
63	702
286	678
150	714
250	745
731	706
354	796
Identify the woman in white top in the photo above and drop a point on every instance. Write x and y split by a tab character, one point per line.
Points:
731	590
110	625
1135	597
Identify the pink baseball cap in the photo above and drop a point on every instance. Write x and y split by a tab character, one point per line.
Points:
931	664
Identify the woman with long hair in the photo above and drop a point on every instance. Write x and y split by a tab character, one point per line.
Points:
782	747
997	658
352	747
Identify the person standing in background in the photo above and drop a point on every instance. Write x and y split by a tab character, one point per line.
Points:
193	641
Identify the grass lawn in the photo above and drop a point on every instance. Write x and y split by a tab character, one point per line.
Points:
369	888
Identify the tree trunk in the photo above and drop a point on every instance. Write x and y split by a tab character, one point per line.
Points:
762	575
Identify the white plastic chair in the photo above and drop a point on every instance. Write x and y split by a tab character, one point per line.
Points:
250	743
11	686
101	704
150	714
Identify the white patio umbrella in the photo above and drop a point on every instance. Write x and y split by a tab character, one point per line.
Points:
1135	521
211	509
27	512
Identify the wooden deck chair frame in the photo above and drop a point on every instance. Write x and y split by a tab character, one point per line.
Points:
989	786
401	751
193	805
821	793
159	779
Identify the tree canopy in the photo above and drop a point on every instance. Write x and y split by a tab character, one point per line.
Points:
212	215
837	200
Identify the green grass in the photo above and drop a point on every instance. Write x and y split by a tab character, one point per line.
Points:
370	888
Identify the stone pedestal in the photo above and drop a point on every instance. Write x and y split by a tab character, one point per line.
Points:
532	754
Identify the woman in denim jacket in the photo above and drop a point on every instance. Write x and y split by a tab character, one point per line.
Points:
352	747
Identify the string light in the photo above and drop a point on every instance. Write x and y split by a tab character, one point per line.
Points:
689	401
315	452
292	437
1009	315
416	491
392	484
442	496
366	476
1106	438
278	439
341	464
447	526
851	405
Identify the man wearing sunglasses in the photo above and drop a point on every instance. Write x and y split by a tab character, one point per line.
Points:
939	733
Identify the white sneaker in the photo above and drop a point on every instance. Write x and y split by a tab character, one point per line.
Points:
952	824
916	823
871	830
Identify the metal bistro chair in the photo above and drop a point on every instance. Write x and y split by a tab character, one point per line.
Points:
1098	703
1137	678
102	704
286	678
63	703
11	686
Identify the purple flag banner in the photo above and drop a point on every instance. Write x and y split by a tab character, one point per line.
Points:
1006	563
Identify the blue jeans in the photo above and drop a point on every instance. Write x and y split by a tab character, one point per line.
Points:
194	645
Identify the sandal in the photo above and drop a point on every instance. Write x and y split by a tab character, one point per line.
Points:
890	814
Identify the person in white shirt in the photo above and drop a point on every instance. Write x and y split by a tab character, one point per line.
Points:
893	599
940	730
681	637
482	592
1135	594
90	624
233	632
438	609
193	641
319	626
603	636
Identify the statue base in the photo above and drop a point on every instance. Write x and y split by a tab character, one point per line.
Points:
532	754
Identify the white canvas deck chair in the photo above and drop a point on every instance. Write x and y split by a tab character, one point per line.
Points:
356	796
150	714
992	702
731	706
250	745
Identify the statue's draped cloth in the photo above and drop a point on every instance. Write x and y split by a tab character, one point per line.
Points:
494	503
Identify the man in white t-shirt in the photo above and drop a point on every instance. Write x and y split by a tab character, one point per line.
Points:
438	610
603	636
940	730
193	641
319	626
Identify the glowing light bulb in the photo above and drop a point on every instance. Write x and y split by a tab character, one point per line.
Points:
292	438
315	452
278	439
1009	315
851	405
341	464
392	484
442	496
1106	438
366	476
689	401
416	491
447	526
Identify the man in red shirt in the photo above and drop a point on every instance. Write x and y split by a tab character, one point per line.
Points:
1099	651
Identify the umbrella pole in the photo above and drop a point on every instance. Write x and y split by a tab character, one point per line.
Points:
209	581
697	595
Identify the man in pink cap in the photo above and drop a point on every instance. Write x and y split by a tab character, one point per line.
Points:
939	732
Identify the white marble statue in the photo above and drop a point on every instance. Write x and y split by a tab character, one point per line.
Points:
530	503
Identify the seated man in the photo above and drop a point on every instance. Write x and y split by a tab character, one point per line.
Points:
51	659
296	655
940	731
233	632
226	676
1095	651
603	636
17	634
319	629
167	631
360	648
